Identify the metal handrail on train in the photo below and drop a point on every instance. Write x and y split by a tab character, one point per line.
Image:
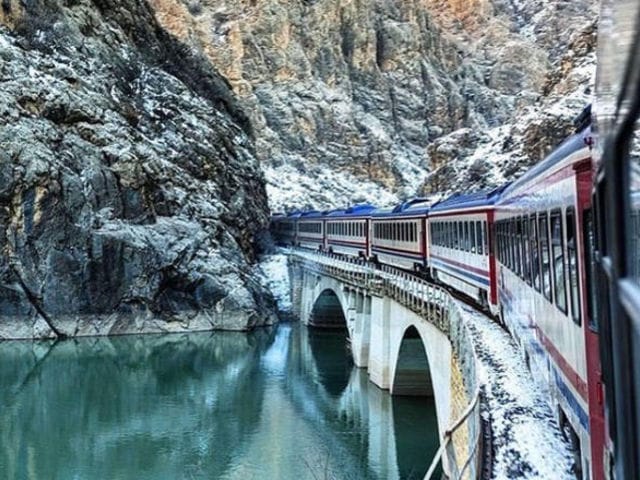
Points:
412	291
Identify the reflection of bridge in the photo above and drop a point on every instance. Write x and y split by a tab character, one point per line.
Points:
407	333
325	386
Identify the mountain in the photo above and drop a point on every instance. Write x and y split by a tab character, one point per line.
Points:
378	100
130	192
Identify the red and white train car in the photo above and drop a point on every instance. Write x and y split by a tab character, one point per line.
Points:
542	289
310	231
399	235
460	248
348	230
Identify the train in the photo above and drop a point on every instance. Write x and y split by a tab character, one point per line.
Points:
518	251
554	256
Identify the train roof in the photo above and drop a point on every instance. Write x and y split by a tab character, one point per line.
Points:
570	145
482	198
311	214
415	206
362	209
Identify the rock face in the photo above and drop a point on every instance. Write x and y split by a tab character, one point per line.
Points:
130	195
367	99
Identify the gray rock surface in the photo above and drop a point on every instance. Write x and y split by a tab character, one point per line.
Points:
130	194
352	99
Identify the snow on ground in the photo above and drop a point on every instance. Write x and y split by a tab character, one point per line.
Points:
275	276
527	443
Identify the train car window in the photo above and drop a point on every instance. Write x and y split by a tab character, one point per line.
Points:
476	240
472	238
505	246
414	232
559	269
498	237
456	235
479	239
519	250
485	236
472	234
572	259
533	250
448	241
513	240
526	249
465	236
543	240
513	245
589	238
502	244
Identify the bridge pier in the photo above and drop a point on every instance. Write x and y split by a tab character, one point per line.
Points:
379	368
360	333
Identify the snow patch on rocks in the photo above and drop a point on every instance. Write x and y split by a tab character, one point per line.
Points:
274	273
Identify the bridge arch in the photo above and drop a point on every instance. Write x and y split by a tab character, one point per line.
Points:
327	311
412	376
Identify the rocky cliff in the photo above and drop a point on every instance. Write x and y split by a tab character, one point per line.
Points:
380	99
130	194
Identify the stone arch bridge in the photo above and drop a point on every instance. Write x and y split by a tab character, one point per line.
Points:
408	334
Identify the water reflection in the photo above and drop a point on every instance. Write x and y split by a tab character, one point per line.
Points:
279	404
332	368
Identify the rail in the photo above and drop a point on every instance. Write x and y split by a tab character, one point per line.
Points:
436	305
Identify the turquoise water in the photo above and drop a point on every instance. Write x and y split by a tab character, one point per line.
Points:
284	403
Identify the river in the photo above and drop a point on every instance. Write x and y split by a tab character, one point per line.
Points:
283	403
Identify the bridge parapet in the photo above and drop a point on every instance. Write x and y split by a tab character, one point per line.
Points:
460	449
